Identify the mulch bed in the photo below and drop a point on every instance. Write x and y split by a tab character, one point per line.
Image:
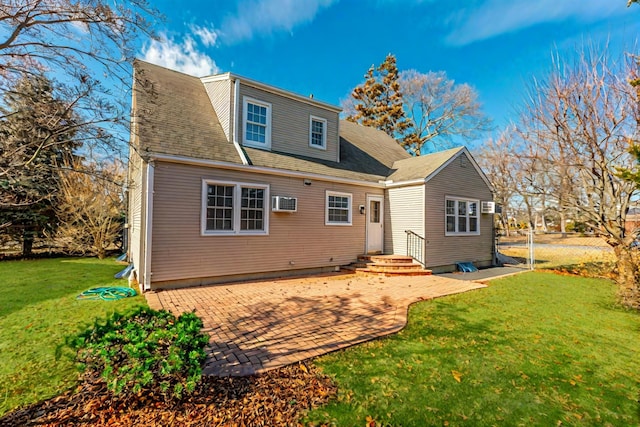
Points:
275	398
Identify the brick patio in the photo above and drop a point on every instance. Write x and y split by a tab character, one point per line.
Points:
262	325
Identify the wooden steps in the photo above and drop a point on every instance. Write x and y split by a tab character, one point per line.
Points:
387	265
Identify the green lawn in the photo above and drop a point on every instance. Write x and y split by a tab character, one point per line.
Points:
532	349
38	309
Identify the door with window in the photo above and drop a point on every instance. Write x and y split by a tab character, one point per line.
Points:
375	224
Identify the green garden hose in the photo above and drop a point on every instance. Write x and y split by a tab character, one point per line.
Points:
110	293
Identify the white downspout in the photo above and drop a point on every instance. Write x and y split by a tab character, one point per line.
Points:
236	121
148	220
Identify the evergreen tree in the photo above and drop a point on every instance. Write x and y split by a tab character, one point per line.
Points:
416	108
378	101
36	138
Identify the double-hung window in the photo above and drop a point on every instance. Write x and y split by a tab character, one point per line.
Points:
234	208
317	133
461	217
338	208
257	123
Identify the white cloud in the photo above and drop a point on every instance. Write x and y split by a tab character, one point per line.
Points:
258	17
208	36
496	17
183	57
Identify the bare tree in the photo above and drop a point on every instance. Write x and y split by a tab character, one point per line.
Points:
498	161
439	109
90	208
582	119
86	46
70	35
529	181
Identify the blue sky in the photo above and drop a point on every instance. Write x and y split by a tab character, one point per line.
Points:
324	47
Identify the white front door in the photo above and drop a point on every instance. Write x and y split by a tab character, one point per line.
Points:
375	224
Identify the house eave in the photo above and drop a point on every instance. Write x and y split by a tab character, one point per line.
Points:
392	184
260	169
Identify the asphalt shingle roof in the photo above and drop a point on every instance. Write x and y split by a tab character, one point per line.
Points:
365	154
174	116
421	166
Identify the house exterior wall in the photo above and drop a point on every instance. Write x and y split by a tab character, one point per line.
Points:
300	240
290	121
221	95
136	232
403	212
457	179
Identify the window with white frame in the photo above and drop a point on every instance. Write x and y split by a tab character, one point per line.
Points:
338	208
257	123
317	132
234	208
461	217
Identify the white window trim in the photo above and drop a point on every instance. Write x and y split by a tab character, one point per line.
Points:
267	143
237	195
463	233
326	208
324	132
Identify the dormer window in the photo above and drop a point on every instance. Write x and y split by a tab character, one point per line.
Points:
257	123
318	133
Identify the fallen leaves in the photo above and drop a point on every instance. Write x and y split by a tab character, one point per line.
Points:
275	398
457	375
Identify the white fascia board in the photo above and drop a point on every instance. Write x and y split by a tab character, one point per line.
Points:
272	89
261	169
216	78
392	184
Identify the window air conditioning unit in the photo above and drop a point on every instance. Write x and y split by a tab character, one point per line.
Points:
488	207
284	204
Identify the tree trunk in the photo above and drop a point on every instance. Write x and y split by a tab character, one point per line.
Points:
505	224
27	242
102	252
629	291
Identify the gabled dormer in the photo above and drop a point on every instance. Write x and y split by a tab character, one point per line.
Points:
257	115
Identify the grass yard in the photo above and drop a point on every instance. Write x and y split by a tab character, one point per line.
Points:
533	349
38	309
550	257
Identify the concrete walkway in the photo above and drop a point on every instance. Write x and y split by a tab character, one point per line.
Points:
262	325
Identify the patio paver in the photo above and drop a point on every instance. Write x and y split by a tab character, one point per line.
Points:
261	325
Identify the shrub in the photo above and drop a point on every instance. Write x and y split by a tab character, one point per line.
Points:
145	350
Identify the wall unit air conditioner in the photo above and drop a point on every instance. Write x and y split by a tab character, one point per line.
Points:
284	204
488	207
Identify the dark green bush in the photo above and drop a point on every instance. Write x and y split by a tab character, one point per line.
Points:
145	350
